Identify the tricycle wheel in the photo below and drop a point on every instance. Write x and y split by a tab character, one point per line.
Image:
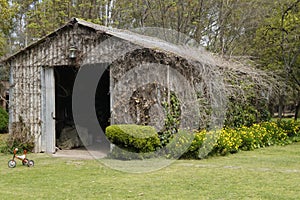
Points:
30	163
25	161
12	164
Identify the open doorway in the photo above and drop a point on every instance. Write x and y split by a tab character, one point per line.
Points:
66	134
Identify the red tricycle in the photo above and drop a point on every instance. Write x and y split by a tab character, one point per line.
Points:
12	163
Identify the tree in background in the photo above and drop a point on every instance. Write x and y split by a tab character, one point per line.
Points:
220	25
277	48
6	24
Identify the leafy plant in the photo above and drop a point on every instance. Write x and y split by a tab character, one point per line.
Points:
245	138
247	110
3	121
178	145
290	126
172	120
229	141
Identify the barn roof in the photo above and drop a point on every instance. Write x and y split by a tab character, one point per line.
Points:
182	50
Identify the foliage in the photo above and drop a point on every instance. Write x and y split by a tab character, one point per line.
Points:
290	126
277	38
248	100
3	121
276	49
229	141
245	138
35	19
262	135
20	137
201	140
172	120
6	24
177	145
134	138
239	114
221	26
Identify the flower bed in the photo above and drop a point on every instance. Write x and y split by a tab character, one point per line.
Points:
256	136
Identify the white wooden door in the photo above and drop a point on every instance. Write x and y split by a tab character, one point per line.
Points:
48	110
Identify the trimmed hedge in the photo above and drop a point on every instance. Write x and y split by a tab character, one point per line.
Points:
134	138
3	121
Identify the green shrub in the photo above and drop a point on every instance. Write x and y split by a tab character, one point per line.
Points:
261	135
179	144
197	141
192	145
172	120
3	121
134	138
239	114
229	140
202	145
290	126
251	137
246	109
275	134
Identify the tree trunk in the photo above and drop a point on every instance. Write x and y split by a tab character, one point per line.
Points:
281	106
297	107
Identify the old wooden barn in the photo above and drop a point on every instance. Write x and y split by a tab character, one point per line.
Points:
43	76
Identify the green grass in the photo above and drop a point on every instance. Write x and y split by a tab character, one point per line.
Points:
270	173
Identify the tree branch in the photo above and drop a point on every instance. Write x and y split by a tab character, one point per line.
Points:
289	9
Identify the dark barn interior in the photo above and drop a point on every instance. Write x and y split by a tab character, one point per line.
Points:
66	134
64	81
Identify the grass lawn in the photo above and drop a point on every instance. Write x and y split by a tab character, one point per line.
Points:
270	173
